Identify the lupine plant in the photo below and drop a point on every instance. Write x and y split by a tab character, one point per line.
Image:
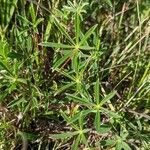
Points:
74	75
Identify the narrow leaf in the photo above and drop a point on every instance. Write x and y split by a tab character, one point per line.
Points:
63	135
32	13
108	97
56	45
48	29
76	143
80	100
61	28
16	102
109	3
107	142
87	34
84	113
64	88
104	129
110	113
125	146
81	122
65	74
38	22
86	48
75	63
96	91
2	64
66	118
77	27
118	145
97	121
62	60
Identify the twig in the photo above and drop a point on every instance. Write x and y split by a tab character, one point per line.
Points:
143	115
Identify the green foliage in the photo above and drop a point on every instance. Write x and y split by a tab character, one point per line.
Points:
74	74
